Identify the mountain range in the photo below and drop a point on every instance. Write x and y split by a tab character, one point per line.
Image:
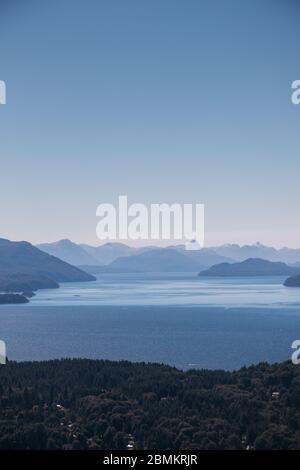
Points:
119	257
241	253
25	268
158	260
293	281
83	254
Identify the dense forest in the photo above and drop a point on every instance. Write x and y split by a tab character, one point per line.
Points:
86	404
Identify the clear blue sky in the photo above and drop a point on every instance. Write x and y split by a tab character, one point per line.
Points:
162	100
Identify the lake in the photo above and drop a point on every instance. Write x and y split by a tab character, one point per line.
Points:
172	289
176	319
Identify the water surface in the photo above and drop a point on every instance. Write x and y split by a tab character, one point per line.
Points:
173	319
172	289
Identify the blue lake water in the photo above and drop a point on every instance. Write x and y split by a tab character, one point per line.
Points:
176	319
172	289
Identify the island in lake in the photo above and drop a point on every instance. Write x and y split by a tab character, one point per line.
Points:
251	267
293	281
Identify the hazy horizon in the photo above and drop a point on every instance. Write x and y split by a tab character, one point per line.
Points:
143	243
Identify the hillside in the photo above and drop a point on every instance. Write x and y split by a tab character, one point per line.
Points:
158	260
250	267
86	404
205	256
87	255
69	252
13	299
25	282
109	252
293	281
21	261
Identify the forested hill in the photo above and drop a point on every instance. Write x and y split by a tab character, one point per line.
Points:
24	267
85	404
250	267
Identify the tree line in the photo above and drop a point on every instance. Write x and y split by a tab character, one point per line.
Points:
88	404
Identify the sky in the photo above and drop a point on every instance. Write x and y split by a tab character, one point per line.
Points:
160	100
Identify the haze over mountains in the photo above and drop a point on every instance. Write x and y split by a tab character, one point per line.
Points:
241	253
68	252
118	257
158	260
83	254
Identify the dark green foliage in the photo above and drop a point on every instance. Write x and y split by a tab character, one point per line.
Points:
85	404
